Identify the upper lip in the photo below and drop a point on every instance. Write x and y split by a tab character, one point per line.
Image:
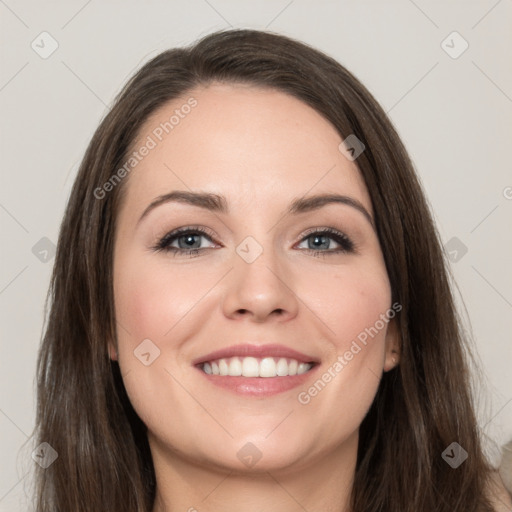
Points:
251	350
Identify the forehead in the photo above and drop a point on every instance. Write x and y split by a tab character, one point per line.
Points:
246	142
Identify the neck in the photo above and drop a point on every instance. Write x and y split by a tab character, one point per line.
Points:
324	484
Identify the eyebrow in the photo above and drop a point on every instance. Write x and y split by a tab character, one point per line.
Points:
218	203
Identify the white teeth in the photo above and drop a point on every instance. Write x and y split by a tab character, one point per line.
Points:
255	367
250	367
223	367
303	368
282	367
268	367
234	367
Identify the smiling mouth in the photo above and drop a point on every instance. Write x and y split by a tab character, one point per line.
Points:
250	367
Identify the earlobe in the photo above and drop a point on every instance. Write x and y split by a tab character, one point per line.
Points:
391	362
393	344
112	351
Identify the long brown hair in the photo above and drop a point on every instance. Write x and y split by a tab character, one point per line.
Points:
420	408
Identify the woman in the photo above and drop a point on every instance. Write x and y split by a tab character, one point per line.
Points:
250	306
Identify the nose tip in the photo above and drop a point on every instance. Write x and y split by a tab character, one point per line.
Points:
259	292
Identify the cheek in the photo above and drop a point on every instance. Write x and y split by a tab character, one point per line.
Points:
349	302
151	299
352	304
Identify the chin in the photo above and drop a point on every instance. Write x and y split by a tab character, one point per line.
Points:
256	454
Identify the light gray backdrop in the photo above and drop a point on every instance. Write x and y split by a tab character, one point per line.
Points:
441	69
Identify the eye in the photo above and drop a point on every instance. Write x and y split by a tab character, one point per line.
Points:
187	239
319	241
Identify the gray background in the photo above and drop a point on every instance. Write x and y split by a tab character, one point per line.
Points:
454	115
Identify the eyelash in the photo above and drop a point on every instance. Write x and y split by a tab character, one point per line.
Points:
346	244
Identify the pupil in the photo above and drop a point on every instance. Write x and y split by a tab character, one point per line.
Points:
324	243
189	240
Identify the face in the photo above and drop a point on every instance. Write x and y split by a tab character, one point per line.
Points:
298	293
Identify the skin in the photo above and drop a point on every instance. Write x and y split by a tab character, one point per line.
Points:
261	149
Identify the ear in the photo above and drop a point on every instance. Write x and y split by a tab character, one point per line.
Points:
112	351
392	344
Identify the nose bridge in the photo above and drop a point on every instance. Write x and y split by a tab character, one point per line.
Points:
258	284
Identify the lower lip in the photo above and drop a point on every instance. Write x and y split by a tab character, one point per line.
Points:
258	386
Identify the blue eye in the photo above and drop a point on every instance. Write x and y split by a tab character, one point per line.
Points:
321	245
189	242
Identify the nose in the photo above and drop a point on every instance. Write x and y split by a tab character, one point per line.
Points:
260	290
